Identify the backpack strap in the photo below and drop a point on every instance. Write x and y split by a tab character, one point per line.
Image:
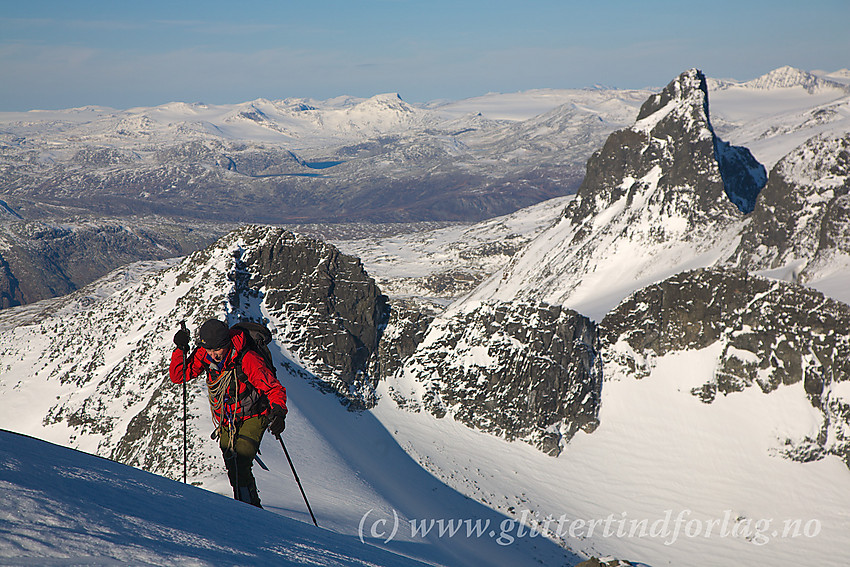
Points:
251	399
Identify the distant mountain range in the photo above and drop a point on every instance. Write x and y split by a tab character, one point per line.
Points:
207	168
293	161
790	77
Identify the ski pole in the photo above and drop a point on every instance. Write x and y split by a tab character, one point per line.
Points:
295	474
185	450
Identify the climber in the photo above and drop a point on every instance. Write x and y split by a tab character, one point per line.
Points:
245	396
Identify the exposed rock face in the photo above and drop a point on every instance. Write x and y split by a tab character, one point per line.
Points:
801	222
772	334
518	370
10	291
408	324
333	312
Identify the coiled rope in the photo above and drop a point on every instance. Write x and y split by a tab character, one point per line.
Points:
219	388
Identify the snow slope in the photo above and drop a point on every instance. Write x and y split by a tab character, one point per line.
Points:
64	507
407	264
660	450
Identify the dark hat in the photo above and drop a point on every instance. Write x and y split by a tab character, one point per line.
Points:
214	335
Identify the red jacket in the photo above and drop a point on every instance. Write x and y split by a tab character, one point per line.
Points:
258	386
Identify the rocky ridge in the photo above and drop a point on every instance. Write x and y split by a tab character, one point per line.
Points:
103	360
801	226
769	335
330	312
517	370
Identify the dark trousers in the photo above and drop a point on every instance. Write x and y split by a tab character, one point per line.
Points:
239	459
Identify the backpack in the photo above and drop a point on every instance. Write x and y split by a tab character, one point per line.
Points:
257	338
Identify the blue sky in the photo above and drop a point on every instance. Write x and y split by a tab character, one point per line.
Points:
61	54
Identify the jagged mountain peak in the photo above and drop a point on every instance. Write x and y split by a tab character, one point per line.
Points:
689	90
387	97
663	189
386	102
672	145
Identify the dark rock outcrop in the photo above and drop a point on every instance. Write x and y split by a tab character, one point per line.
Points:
772	334
518	370
10	291
408	324
334	312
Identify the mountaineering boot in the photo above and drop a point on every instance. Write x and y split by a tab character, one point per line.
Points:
249	494
241	478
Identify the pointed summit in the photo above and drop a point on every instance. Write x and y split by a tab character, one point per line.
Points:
673	137
687	91
387	102
665	189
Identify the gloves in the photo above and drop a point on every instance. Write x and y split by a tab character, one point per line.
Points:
181	340
277	421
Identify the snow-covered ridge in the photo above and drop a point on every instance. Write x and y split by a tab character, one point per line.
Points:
789	77
448	262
